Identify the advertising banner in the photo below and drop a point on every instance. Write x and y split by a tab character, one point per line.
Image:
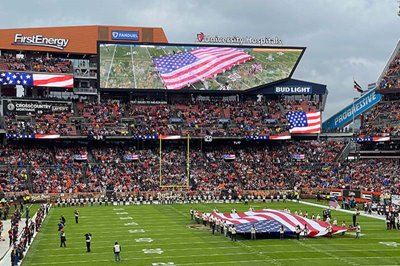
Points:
125	35
353	110
24	107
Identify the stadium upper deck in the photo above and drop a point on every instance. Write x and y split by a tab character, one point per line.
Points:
66	54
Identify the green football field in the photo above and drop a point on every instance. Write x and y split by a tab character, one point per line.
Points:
163	235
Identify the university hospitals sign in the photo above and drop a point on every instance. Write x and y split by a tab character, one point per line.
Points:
237	40
40	40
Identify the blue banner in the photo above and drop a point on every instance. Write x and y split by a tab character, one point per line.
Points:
353	110
293	89
125	35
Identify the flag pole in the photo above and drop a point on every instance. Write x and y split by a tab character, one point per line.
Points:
160	161
352	109
188	161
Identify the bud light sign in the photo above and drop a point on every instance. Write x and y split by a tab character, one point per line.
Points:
125	35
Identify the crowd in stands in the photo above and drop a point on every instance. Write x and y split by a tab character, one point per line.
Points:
201	118
383	120
391	79
302	165
35	64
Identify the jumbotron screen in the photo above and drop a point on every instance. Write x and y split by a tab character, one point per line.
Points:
193	67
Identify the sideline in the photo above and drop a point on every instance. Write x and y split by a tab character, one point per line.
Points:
6	259
375	216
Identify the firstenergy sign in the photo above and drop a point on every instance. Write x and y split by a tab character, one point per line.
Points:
40	40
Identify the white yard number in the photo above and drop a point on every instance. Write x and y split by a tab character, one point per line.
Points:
131	223
118	209
163	263
147	240
390	244
126	218
121	213
153	251
136	231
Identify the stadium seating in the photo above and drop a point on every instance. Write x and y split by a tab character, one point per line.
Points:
391	79
113	118
383	120
35	64
254	168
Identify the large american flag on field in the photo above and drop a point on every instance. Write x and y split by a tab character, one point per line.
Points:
304	122
185	68
269	221
40	80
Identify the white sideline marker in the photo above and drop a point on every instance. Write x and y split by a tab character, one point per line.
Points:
122	213
163	263
119	209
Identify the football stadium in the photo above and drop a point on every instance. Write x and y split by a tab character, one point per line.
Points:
118	146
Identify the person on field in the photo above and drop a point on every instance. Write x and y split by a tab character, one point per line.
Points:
253	231
117	251
76	214
282	232
233	233
358	231
298	231
62	239
88	238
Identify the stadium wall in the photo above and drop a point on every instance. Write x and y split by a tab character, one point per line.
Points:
75	39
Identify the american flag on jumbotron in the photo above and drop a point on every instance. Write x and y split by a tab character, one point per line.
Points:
40	80
185	68
269	221
304	122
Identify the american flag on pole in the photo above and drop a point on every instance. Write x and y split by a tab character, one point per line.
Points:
303	122
131	157
81	157
229	157
183	69
269	221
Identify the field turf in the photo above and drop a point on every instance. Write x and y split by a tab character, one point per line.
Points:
174	242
